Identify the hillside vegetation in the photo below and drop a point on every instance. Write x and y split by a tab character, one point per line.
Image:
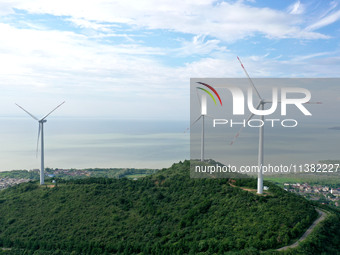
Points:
67	174
164	213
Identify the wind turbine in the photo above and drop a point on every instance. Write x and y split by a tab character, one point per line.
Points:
261	104
41	131
203	103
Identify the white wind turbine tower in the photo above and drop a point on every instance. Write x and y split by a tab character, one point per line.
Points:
202	115
41	131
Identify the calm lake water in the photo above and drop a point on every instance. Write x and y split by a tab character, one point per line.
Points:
90	143
307	143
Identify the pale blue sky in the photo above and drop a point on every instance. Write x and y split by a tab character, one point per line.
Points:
134	59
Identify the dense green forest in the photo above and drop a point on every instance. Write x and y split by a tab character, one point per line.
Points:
164	213
325	239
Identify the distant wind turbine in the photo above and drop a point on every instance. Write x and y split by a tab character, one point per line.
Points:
203	103
41	131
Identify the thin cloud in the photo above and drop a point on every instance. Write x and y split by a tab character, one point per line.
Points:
330	19
314	55
226	21
296	8
87	24
199	45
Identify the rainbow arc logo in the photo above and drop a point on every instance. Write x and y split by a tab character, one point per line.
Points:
209	93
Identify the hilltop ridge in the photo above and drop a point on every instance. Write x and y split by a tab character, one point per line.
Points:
164	213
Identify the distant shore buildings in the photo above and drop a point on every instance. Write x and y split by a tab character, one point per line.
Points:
8	182
324	194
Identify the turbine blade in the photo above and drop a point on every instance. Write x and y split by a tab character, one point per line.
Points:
258	106
28	112
241	128
52	111
249	118
250	80
196	121
38	139
237	135
187	130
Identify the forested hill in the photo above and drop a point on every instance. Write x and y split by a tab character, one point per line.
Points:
165	213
